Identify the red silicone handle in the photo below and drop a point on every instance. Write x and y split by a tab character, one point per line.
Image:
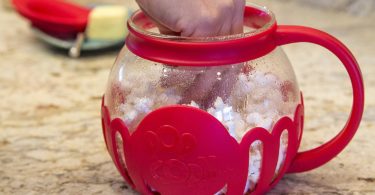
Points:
314	158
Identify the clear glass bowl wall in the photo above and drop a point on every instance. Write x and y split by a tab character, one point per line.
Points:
241	96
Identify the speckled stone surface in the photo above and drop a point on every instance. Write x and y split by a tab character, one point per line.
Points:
50	132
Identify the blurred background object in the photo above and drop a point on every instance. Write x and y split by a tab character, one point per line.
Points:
128	3
357	7
6	4
75	27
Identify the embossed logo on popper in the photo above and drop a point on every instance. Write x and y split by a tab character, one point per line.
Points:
175	170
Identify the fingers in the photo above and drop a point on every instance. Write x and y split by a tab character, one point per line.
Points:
198	18
237	20
217	22
217	81
202	87
178	77
224	87
229	78
213	83
214	19
162	29
226	26
166	13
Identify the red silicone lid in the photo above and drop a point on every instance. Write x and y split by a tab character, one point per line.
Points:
211	51
55	17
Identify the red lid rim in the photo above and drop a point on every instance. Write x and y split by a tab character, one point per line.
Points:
263	9
204	51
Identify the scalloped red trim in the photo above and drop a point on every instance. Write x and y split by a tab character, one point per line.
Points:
195	154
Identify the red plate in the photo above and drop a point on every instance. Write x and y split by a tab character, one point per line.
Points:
55	17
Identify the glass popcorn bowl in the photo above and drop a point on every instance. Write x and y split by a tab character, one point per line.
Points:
214	115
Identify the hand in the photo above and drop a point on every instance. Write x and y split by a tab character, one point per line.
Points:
196	18
199	18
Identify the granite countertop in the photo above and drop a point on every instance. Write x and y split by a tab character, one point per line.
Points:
50	132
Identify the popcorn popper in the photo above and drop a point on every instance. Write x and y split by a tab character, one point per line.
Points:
216	115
